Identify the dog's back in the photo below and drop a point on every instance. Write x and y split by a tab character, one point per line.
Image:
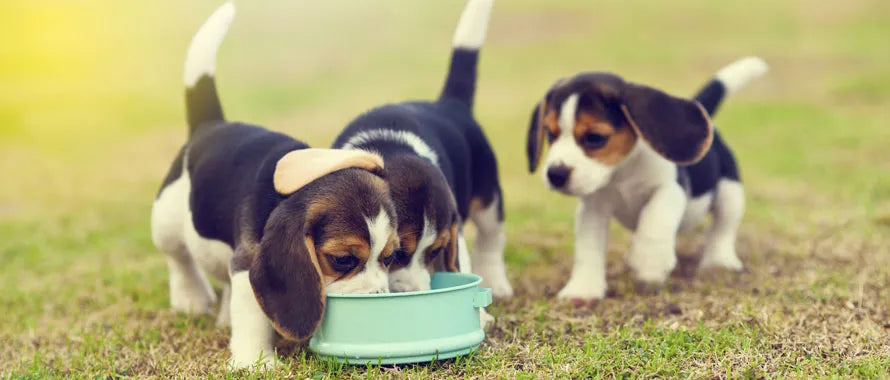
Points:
443	131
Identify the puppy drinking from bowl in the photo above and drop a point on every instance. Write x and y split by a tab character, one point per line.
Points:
441	171
278	223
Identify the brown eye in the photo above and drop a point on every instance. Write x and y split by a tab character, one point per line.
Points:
593	140
343	264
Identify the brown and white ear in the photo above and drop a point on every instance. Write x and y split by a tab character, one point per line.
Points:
286	278
678	129
535	145
300	167
450	258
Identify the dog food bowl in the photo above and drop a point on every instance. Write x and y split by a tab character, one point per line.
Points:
410	327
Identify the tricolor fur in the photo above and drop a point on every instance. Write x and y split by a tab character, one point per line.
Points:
651	160
277	223
441	170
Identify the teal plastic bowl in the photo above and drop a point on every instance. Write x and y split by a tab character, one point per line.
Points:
399	328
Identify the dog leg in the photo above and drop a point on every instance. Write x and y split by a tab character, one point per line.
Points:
588	279
729	207
190	292
223	318
653	253
252	333
463	254
490	243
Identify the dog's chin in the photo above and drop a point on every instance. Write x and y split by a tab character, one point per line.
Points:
577	189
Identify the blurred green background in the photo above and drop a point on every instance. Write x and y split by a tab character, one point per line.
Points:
91	113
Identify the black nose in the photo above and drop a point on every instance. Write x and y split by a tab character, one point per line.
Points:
558	175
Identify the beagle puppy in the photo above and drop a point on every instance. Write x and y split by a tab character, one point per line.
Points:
277	223
651	160
441	171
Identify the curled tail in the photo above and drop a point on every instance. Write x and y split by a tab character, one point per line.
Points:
729	79
468	38
201	101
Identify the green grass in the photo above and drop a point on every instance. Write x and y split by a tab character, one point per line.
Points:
91	114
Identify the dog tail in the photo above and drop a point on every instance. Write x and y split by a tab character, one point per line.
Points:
729	79
468	39
201	101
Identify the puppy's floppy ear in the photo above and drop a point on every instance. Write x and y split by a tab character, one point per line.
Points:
678	129
285	275
450	258
535	143
297	168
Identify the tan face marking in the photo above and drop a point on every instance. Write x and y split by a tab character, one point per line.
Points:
439	243
620	141
388	249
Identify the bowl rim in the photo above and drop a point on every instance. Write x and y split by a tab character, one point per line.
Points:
476	281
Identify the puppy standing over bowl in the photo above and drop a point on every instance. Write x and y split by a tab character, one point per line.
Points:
441	171
278	223
647	158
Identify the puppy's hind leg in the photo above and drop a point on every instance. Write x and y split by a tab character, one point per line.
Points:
190	292
489	248
729	207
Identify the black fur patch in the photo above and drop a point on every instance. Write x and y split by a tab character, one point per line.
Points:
711	96
202	103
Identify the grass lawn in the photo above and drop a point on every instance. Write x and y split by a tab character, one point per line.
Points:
91	113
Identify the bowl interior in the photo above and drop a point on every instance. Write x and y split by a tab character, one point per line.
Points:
439	283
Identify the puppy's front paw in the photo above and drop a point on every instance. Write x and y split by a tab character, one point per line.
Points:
485	319
192	301
495	277
720	256
652	261
260	362
223	319
583	290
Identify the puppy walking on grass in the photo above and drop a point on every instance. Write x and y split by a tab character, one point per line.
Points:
651	160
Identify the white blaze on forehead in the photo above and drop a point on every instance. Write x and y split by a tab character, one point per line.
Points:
567	113
415	275
427	238
379	230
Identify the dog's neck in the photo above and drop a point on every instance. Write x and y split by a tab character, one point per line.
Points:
642	171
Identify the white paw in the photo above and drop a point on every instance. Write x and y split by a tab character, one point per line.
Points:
192	301
485	319
223	319
584	289
652	261
259	362
720	257
495	277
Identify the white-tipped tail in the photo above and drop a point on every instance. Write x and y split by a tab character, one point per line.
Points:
201	58
473	25
736	75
